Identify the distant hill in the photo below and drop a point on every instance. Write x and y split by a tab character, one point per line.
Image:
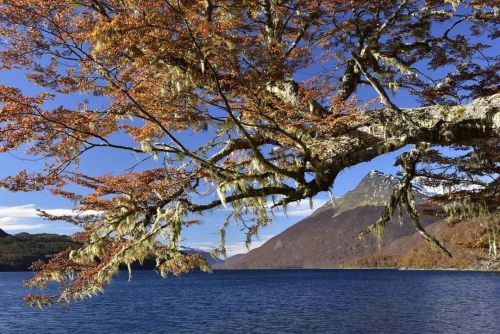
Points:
210	259
328	238
18	252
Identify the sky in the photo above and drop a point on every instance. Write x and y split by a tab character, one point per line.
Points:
18	210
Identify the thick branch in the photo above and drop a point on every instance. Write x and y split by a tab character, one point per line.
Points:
375	132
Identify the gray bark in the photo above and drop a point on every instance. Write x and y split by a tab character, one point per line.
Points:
378	131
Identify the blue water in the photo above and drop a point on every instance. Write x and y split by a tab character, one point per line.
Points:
287	301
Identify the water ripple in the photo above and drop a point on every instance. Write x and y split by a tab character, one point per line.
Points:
286	301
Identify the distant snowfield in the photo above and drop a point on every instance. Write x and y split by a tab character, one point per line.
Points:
419	183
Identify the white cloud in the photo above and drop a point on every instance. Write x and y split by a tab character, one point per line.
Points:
301	209
10	224
241	248
5	220
29	211
20	218
295	209
22	227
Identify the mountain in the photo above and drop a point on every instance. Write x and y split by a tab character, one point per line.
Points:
373	190
413	252
3	233
328	238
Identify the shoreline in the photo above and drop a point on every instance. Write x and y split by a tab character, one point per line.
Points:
368	268
325	269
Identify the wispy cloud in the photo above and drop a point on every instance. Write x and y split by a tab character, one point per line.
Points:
25	218
16	224
241	248
301	209
29	211
294	209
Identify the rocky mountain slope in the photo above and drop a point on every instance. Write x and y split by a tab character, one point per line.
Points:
328	238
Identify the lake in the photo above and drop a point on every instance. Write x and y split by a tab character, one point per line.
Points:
270	301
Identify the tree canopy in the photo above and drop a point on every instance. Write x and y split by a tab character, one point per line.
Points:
269	88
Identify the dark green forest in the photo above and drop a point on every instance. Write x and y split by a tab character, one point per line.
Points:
17	252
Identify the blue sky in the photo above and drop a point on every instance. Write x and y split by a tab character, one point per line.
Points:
18	210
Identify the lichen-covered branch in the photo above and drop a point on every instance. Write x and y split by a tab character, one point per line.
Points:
236	104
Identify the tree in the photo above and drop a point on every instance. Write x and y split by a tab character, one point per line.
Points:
244	76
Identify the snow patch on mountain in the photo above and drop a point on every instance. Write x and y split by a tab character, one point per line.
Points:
420	183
